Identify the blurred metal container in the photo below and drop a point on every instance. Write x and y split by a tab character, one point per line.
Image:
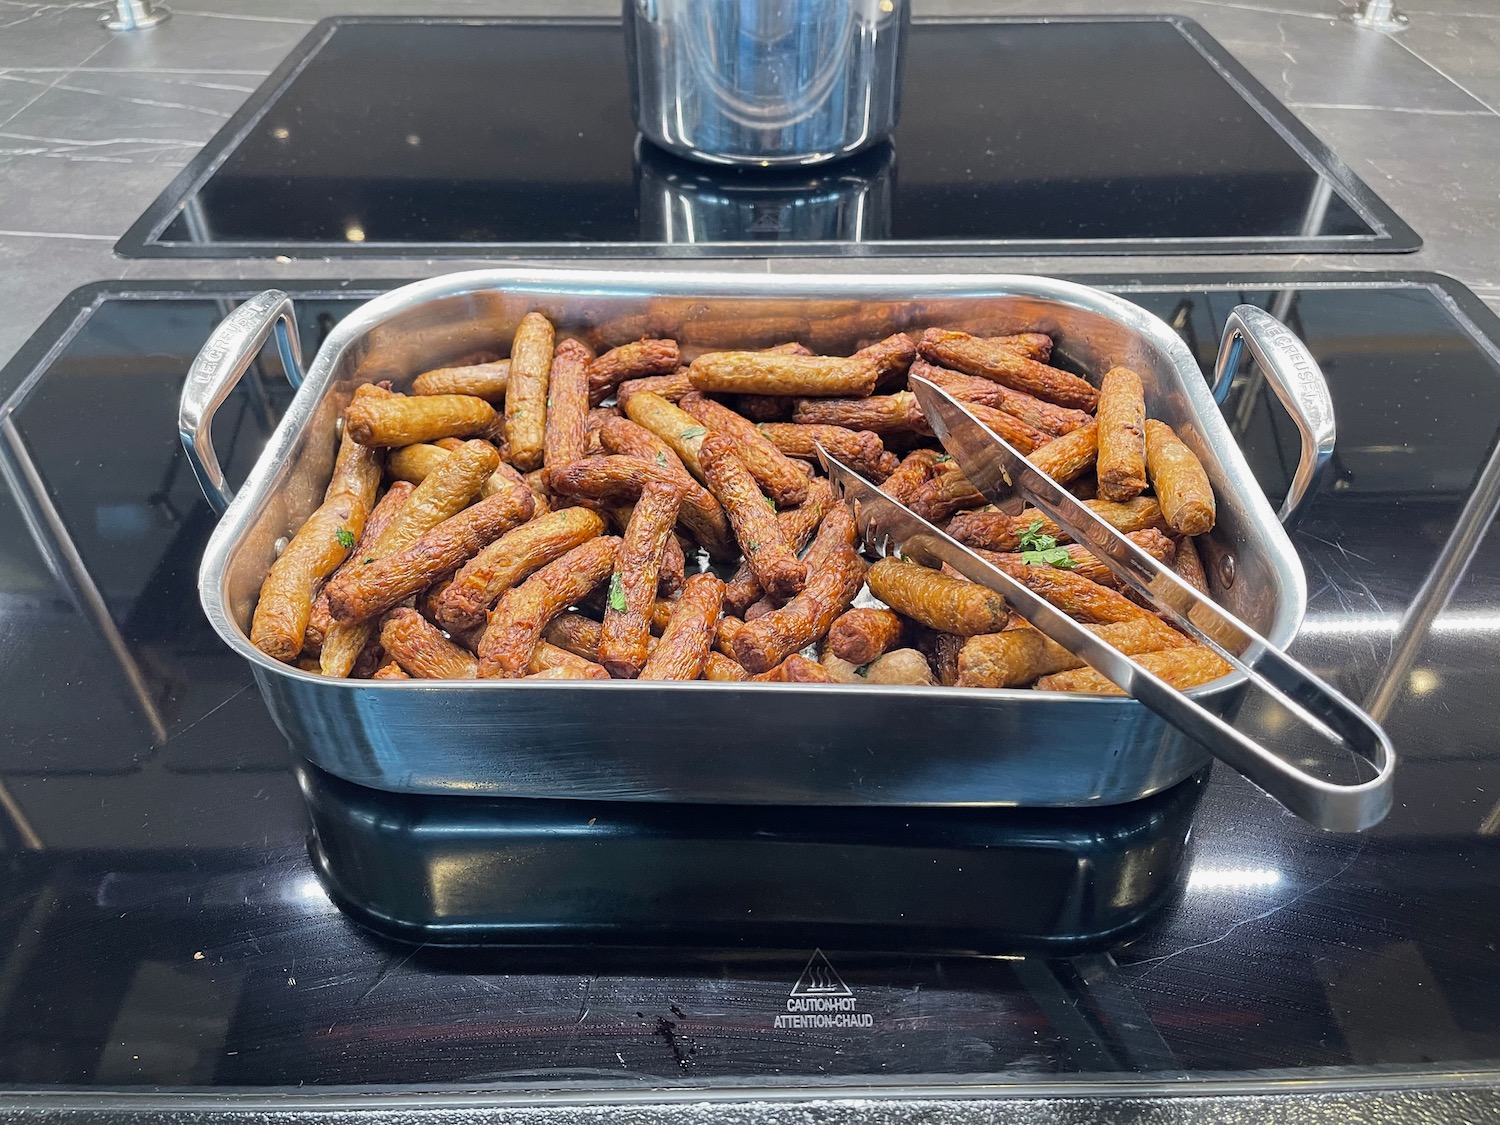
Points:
684	202
765	82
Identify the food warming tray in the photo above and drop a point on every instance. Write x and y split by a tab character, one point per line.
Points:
727	742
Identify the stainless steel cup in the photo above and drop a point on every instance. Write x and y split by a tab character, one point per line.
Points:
767	82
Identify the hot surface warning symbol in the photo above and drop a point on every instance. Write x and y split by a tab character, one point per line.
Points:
820	979
820	999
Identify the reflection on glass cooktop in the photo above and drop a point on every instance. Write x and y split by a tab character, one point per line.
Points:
449	136
163	924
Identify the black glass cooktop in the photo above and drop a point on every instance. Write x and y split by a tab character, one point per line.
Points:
482	137
163	926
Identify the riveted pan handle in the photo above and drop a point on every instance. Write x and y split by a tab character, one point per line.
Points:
220	365
1298	382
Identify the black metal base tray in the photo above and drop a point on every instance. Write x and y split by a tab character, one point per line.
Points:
467	870
428	137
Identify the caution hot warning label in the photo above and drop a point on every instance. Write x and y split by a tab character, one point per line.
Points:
820	999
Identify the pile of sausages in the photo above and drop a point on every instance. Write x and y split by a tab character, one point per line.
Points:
561	515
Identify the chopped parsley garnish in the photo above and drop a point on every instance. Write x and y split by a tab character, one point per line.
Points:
692	432
1042	550
345	538
1052	556
661	456
617	592
942	459
1032	538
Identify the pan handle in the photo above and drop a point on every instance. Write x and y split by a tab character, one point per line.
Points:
220	365
1298	382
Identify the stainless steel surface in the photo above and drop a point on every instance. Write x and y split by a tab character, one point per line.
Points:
685	203
786	744
1378	15
219	366
1007	478
765	82
1293	374
135	15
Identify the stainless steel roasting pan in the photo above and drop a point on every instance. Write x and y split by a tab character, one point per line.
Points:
814	744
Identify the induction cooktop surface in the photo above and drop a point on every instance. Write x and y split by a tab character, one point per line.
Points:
462	137
170	912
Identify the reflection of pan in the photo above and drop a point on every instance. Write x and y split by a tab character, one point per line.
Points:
474	870
684	202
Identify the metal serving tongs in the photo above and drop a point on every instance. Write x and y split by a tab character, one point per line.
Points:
1004	475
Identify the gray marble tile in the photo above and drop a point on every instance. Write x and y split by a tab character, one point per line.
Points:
17	93
95	109
37	273
61	187
312	10
1442	174
52	35
1484	8
201	42
1329	62
1465	48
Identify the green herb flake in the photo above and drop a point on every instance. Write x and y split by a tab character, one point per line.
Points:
752	546
345	538
661	456
368	561
1049	556
1033	540
942	459
692	432
863	669
769	502
617	592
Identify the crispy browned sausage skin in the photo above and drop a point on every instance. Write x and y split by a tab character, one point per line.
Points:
937	600
565	437
509	559
766	550
782	481
836	573
619	480
974	356
482	380
775	373
516	623
1122	435
526	396
1181	485
406	420
860	635
636	360
1017	657
683	651
1182	668
324	541
366	591
632	590
417	645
